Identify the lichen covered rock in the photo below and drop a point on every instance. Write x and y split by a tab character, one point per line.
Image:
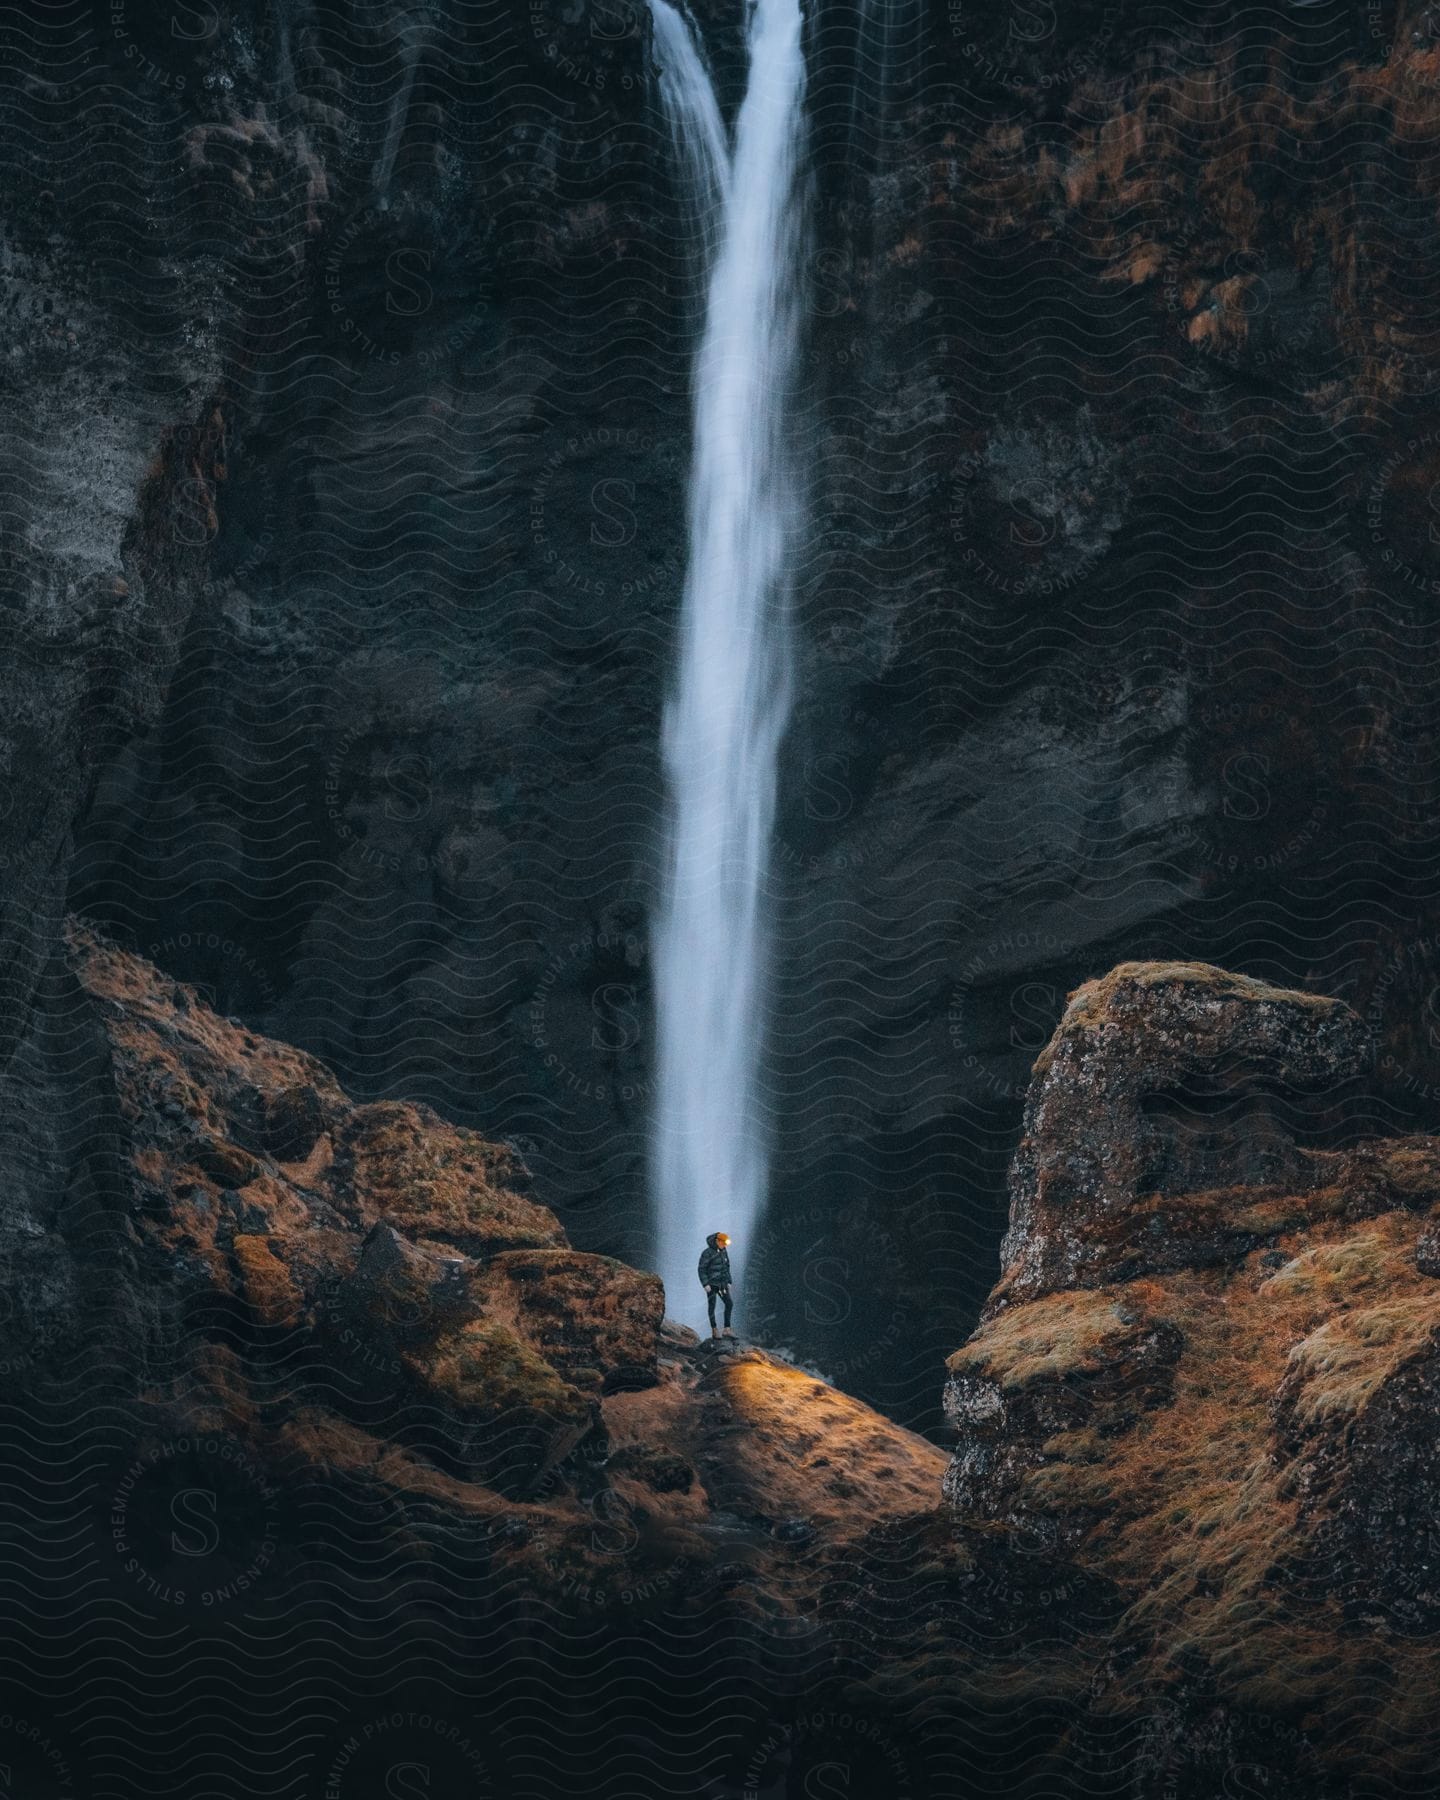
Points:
1093	1145
1213	1380
1074	1363
343	1287
591	1316
369	1230
500	1414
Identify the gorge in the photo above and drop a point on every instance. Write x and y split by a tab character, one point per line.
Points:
1076	801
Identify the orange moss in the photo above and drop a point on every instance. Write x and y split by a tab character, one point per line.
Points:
803	1447
429	1178
219	1366
1345	1361
481	1367
593	1317
1060	1335
1181	146
266	1282
196	1046
1193	1511
1412	1167
314	1167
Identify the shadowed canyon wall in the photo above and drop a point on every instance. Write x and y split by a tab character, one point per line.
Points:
1116	622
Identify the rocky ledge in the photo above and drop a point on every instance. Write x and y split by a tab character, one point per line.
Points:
1189	1536
362	1294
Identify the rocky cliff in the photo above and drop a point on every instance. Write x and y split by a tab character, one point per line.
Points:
306	1399
1208	1375
349	428
344	440
309	1398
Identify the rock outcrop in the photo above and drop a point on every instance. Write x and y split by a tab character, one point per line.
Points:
1155	1084
311	1276
1222	1399
1184	1538
388	1240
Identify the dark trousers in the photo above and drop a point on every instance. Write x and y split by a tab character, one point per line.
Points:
722	1294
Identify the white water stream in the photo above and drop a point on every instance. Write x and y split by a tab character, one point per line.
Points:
731	697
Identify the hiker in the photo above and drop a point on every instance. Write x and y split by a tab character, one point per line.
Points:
714	1274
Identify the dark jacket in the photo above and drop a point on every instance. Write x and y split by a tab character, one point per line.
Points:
714	1264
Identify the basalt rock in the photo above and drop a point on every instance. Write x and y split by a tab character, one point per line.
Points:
382	1231
591	1316
1183	1504
1355	1421
1083	1363
1154	1086
1221	1400
366	1269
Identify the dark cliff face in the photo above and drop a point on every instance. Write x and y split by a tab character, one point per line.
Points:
1115	624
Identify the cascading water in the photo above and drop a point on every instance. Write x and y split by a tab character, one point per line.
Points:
726	717
687	95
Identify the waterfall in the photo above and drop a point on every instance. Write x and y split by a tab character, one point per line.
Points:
687	96
727	713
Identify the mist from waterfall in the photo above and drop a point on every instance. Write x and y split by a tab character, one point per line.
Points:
731	699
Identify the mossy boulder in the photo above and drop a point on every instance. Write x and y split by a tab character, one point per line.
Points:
593	1318
1095	1139
503	1414
414	1170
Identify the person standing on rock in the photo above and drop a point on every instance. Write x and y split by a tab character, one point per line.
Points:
714	1274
